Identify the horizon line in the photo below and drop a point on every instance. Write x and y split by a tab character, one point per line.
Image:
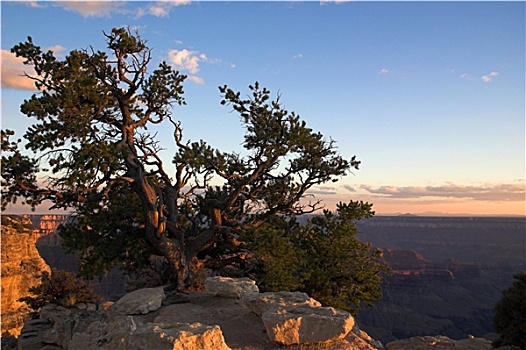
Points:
399	214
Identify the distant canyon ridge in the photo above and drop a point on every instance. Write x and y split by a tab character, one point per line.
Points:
449	272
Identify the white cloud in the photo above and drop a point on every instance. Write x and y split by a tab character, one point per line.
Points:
102	8
297	56
384	71
186	59
488	78
13	69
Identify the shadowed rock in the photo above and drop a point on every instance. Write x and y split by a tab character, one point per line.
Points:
141	301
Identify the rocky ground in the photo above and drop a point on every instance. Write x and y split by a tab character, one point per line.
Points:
231	314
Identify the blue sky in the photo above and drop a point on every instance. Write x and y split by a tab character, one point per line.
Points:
430	96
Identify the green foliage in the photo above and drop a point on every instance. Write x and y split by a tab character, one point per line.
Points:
278	260
510	314
106	234
62	288
18	173
322	258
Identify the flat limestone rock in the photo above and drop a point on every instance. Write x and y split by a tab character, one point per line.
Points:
258	303
227	287
158	336
141	301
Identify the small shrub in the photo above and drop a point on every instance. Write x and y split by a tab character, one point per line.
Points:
322	258
510	314
61	288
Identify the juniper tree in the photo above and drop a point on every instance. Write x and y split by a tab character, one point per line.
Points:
90	138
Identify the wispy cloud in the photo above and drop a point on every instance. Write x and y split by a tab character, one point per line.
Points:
487	192
337	2
35	4
349	188
93	8
488	78
105	8
297	56
323	190
196	79
384	71
162	8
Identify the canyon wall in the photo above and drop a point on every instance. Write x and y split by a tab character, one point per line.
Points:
46	224
21	269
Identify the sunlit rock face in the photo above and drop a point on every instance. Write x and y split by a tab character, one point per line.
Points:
46	224
149	319
21	269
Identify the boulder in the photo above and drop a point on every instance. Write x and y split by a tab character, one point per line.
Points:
357	339
258	303
195	336
227	287
141	301
439	342
304	324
